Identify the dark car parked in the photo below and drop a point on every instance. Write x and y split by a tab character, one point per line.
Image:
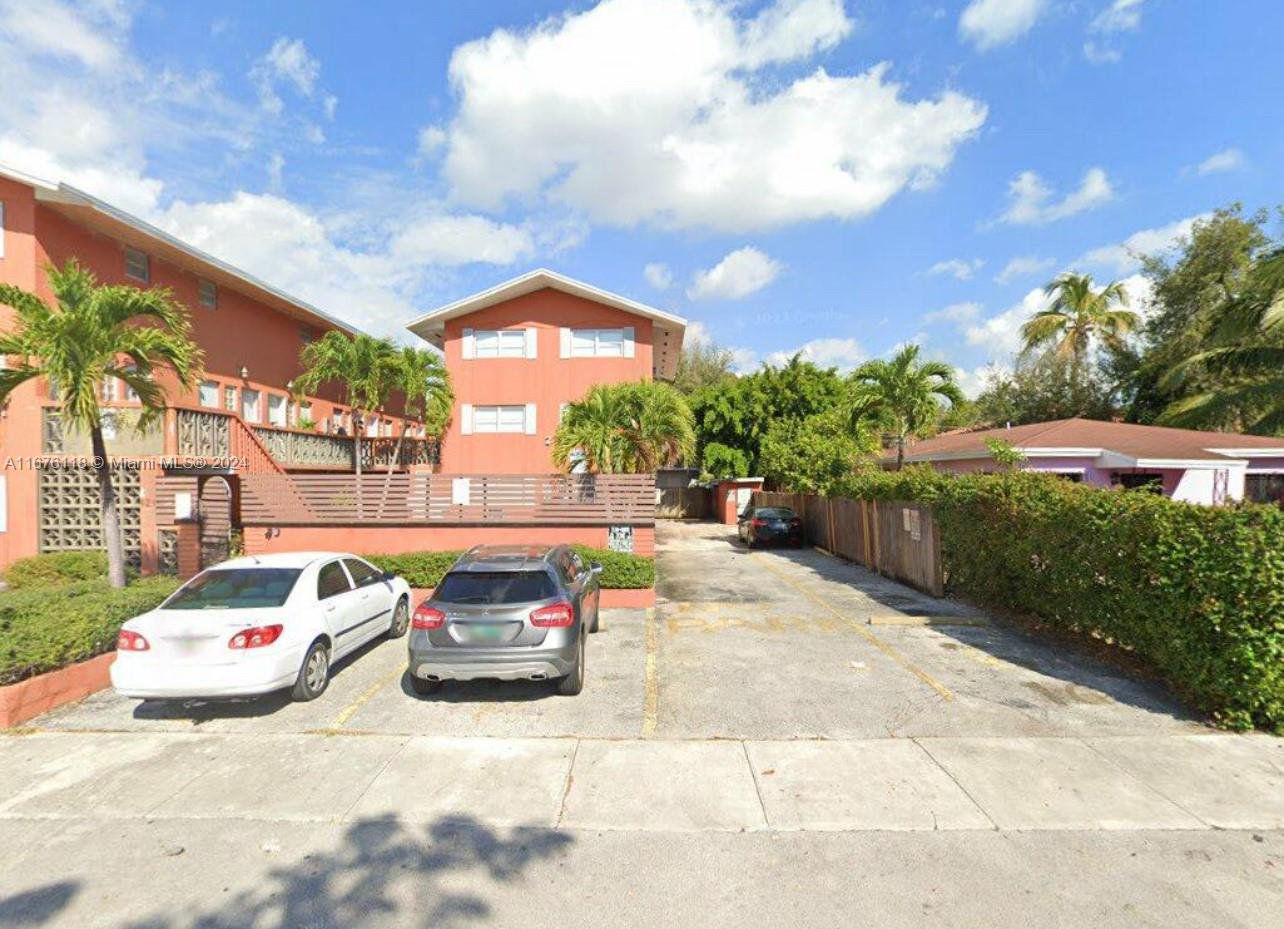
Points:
770	525
509	612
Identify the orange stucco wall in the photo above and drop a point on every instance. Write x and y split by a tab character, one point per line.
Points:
240	332
547	380
395	540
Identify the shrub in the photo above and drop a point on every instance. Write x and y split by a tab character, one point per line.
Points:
56	568
43	629
419	569
620	570
1195	592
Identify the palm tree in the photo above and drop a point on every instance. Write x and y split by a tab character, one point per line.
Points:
422	378
363	368
1245	349
93	333
902	395
1078	314
625	429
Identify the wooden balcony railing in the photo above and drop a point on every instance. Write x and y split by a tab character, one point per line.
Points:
209	434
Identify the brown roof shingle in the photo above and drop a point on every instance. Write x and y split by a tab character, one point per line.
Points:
1141	442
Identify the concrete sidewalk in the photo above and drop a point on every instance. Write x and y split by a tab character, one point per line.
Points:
1112	783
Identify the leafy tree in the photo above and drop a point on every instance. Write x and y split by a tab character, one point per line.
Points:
702	364
1005	454
94	332
1078	316
738	412
1042	389
902	396
1246	352
625	428
1188	292
813	454
362	366
720	461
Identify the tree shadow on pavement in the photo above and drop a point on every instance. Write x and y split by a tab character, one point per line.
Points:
382	873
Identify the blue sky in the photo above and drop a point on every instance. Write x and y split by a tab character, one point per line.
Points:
814	175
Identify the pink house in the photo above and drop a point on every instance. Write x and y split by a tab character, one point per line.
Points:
1197	467
520	351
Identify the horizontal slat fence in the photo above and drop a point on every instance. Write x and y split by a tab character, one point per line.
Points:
896	539
417	497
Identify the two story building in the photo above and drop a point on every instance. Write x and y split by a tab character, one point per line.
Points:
519	352
244	413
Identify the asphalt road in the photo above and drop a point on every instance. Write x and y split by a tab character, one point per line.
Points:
781	742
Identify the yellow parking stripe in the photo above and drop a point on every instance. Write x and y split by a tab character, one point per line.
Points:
884	647
351	709
651	698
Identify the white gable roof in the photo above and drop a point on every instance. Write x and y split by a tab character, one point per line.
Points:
668	327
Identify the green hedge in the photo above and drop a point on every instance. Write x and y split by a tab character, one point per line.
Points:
1196	592
46	628
56	568
620	570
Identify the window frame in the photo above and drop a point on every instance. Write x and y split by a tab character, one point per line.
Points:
597	352
132	252
217	395
284	407
201	284
258	405
517	350
498	409
376	577
343	572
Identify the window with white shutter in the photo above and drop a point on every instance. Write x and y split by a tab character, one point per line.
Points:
601	343
510	418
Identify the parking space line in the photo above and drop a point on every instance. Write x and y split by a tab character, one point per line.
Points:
351	709
885	647
651	695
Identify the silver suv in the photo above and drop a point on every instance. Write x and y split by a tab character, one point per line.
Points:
510	612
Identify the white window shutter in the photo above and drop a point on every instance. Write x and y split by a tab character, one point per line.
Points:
531	341
530	419
468	350
566	342
561	411
466	419
628	341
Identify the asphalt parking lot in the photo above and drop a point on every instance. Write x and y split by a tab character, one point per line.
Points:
778	712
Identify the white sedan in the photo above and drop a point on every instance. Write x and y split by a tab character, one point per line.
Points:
259	624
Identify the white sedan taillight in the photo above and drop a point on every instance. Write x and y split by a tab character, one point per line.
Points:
129	641
255	637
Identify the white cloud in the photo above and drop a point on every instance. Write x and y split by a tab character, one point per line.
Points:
1022	266
843	354
1120	16
1230	159
1030	200
1001	334
288	62
975	381
658	275
1125	257
988	24
741	273
697	333
431	139
962	269
450	240
954	313
659	111
89	34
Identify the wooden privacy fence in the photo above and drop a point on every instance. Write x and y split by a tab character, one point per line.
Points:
899	540
419	497
683	502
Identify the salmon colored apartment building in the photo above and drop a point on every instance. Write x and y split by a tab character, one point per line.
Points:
519	352
244	413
